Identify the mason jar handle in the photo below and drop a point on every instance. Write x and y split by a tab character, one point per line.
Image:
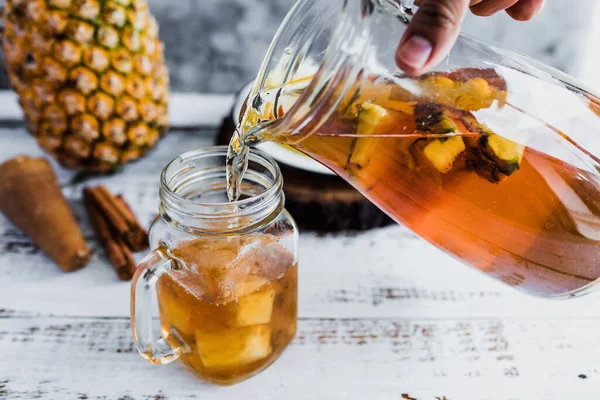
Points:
163	350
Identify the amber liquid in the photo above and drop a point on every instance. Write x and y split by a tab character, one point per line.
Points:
232	306
528	231
516	213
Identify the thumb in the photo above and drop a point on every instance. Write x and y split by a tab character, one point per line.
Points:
430	34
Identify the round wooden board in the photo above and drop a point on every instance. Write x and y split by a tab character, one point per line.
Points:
322	203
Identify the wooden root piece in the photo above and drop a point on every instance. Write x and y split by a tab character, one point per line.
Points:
31	198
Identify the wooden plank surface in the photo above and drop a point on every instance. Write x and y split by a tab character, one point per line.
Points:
333	359
382	314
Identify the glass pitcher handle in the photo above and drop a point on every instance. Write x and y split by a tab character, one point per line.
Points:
148	272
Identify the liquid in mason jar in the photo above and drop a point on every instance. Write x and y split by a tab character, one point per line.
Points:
521	207
233	303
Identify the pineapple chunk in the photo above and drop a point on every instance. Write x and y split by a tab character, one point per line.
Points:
476	94
365	93
507	154
494	157
376	120
234	347
444	153
371	119
466	89
435	119
441	153
255	305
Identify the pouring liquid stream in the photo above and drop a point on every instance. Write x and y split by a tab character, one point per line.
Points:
523	208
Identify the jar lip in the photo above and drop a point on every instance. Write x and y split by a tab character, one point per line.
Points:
184	206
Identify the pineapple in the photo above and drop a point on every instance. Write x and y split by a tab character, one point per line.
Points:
91	78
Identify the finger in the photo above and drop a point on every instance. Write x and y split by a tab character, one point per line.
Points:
430	34
524	10
491	7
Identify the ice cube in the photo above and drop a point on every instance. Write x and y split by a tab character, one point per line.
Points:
234	347
255	304
207	271
213	269
262	257
273	261
239	268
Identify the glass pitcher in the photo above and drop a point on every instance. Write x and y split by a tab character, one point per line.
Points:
490	157
225	274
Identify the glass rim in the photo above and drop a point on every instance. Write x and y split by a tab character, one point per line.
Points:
261	205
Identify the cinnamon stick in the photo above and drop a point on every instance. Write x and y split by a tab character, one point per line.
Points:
138	236
31	198
116	250
120	217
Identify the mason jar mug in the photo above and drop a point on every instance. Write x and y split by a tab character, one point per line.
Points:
225	273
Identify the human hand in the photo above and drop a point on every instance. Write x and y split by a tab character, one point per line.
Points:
435	27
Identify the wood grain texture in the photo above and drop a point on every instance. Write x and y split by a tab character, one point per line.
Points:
335	359
383	314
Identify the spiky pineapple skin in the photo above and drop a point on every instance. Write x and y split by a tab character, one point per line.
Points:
90	76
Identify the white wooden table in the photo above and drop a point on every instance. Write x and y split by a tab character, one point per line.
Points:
383	315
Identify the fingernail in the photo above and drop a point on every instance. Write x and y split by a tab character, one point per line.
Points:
415	52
